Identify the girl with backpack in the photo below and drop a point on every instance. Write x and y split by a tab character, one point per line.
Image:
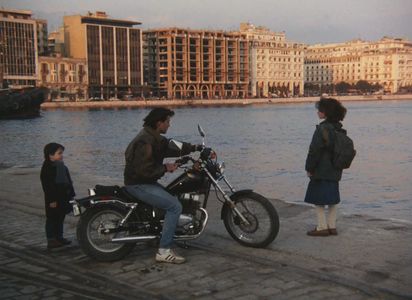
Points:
323	188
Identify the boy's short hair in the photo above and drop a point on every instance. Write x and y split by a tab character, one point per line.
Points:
51	149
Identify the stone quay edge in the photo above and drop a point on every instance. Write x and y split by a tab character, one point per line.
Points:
371	258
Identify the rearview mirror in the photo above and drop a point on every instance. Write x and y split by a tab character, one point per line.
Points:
201	132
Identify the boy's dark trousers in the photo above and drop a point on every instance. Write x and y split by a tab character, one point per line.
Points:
54	226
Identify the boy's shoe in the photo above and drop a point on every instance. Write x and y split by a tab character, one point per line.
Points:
65	241
169	256
51	244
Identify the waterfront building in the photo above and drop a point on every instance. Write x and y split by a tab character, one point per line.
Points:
185	64
42	42
276	64
55	43
18	48
66	78
112	49
387	62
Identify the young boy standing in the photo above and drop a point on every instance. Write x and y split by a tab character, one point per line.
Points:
58	190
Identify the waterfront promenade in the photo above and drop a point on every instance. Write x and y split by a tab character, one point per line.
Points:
371	258
213	102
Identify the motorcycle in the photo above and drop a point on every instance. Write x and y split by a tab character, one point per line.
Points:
112	221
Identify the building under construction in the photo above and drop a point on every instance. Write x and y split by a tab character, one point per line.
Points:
186	64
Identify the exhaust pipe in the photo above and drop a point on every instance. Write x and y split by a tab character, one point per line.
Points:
134	239
145	238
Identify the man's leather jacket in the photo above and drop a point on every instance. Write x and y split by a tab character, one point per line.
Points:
145	154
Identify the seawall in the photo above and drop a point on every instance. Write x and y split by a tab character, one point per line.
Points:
213	102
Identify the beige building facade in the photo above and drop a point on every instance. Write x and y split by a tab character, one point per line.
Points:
187	64
55	43
276	65
112	49
66	78
387	62
18	48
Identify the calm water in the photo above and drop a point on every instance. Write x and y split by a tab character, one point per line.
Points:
264	147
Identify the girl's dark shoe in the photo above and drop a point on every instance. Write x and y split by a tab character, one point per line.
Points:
333	231
315	232
51	244
65	241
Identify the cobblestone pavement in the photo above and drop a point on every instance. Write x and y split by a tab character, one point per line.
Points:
213	270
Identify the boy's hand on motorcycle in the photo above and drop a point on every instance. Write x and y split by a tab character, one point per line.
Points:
171	167
53	204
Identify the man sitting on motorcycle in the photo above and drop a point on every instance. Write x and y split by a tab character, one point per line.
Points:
144	167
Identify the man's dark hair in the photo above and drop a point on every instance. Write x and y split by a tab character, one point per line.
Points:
332	108
156	115
51	149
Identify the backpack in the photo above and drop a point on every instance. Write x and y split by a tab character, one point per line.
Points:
343	151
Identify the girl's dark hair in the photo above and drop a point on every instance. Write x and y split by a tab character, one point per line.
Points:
51	149
332	108
156	115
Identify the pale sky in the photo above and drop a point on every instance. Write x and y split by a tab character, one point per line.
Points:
307	21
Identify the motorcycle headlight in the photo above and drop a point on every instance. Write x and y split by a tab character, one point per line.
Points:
221	168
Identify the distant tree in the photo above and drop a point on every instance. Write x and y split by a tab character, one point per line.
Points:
309	86
363	86
342	87
327	88
377	87
311	89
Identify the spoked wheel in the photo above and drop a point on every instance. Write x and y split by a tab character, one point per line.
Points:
263	221
92	237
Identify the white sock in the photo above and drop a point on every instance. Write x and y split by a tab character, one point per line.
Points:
163	251
332	216
320	211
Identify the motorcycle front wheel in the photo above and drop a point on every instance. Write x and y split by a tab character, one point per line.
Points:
92	239
263	220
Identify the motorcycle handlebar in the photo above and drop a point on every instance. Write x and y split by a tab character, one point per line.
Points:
204	155
184	160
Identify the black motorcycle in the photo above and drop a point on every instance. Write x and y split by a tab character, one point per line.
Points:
112	221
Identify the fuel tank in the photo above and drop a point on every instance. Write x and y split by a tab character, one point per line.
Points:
186	183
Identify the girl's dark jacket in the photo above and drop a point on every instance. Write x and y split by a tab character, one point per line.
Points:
319	159
61	193
145	154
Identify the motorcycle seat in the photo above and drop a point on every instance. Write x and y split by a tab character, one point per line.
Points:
107	190
127	196
114	190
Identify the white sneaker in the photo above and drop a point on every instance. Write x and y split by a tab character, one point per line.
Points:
169	256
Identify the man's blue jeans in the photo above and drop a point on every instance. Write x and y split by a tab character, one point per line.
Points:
157	196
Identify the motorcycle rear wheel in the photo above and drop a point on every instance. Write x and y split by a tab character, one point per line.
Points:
263	220
96	244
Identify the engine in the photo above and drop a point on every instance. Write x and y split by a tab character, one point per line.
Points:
189	220
190	202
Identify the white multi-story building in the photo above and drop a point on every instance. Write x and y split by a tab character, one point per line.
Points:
276	65
387	62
